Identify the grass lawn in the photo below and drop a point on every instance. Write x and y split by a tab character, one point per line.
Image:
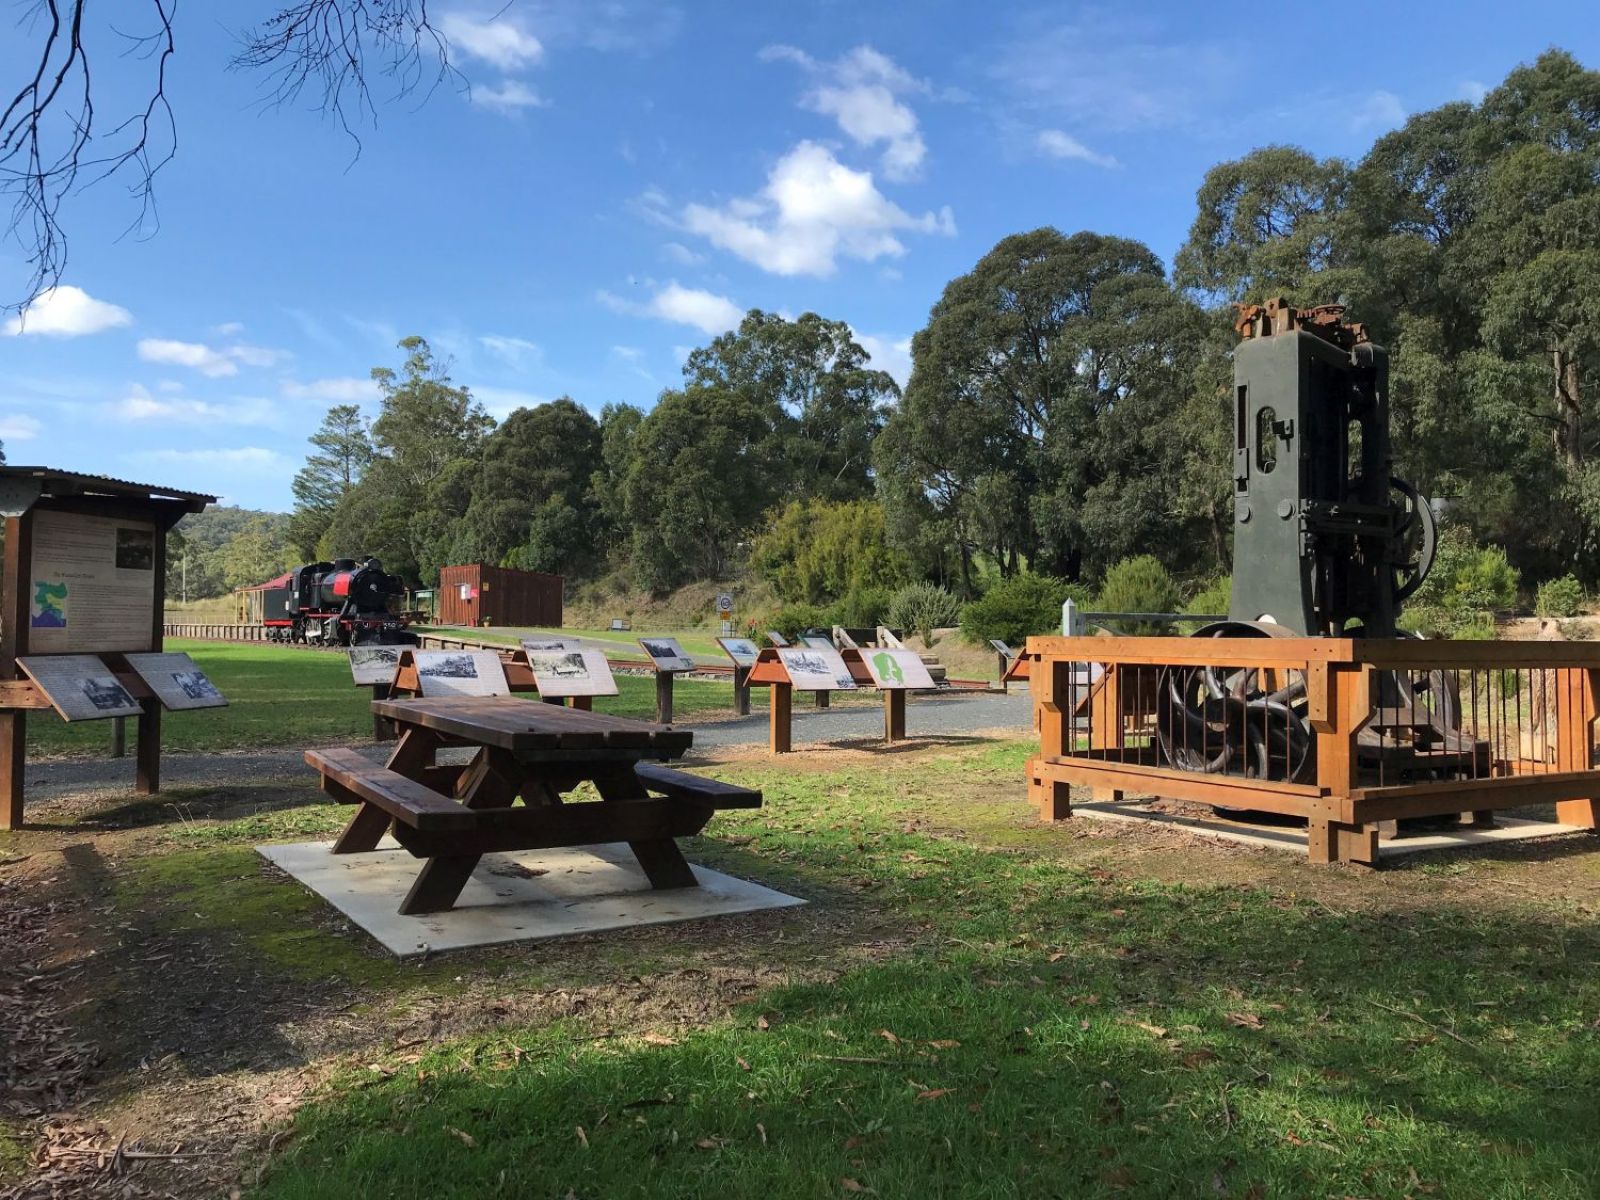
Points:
971	1005
285	696
624	643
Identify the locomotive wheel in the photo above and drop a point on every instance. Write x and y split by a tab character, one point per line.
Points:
1220	720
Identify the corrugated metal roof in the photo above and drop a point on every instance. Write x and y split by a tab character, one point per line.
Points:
56	481
281	581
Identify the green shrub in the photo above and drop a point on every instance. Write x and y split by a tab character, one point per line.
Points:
1559	597
863	608
792	620
1468	583
1138	585
1213	599
923	607
1016	609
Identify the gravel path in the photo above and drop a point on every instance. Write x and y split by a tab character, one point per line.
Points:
951	714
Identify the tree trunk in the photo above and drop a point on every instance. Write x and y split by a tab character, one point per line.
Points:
1569	411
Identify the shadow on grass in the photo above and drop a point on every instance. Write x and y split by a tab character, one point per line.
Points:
178	806
1183	1043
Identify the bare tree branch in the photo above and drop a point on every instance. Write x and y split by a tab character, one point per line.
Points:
50	147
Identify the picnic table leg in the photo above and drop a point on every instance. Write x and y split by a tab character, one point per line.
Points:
364	832
663	863
438	885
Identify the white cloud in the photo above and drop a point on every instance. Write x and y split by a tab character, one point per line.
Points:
812	210
1113	70
509	96
500	41
1380	110
242	458
19	427
888	353
861	91
705	311
679	253
345	389
67	311
188	354
500	403
140	405
518	352
229	329
627	353
1053	143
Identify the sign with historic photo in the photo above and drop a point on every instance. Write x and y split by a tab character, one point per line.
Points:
897	669
571	673
92	585
79	686
176	681
776	638
543	645
374	664
666	655
816	669
817	643
742	650
460	673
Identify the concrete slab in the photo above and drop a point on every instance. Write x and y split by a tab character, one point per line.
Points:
1294	838
528	895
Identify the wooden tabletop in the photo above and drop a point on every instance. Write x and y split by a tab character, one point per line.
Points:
533	728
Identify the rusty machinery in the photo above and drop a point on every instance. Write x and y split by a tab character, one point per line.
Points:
1327	542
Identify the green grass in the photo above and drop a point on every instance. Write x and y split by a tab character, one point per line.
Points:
284	697
1049	1028
624	643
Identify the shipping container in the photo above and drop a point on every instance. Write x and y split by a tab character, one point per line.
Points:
477	595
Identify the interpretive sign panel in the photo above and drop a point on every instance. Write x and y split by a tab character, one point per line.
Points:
371	665
818	643
742	650
79	686
666	654
92	583
176	681
776	638
816	669
897	669
460	673
578	672
543	645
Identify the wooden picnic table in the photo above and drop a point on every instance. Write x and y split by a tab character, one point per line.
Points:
451	815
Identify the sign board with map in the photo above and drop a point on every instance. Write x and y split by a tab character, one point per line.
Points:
83	577
91	583
80	686
176	681
896	669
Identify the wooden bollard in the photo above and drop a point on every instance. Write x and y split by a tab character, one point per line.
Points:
894	714
741	691
779	733
664	697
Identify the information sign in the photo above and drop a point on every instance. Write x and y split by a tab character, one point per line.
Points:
577	672
371	665
742	650
92	583
897	669
666	654
176	681
816	669
79	686
460	673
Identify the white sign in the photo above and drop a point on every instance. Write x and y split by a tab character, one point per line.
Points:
724	602
579	672
666	654
93	584
460	673
543	645
897	669
816	669
818	643
374	664
742	650
776	638
79	686
176	681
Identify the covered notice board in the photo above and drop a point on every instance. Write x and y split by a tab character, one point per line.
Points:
81	598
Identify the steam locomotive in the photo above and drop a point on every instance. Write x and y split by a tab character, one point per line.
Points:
342	603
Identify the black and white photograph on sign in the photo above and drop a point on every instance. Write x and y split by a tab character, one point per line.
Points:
373	664
776	638
572	673
818	643
543	645
136	549
897	669
666	654
176	681
812	669
742	650
460	673
79	686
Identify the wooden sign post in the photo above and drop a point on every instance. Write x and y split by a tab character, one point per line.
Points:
799	668
894	672
668	658
84	575
744	653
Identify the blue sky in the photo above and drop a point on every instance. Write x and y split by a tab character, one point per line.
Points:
624	178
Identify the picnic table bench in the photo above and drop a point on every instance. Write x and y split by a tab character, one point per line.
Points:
451	815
